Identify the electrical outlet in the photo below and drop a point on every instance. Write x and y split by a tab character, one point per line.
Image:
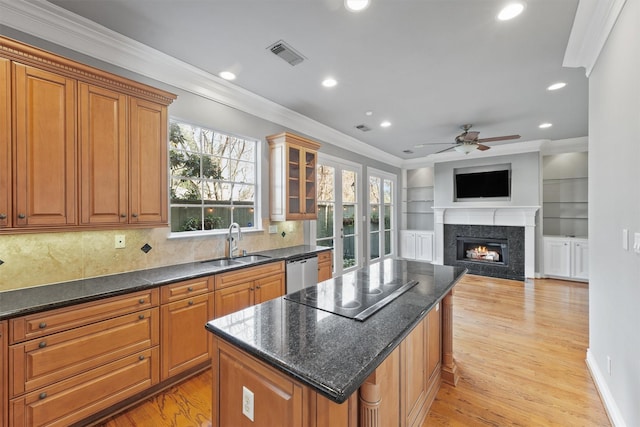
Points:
247	403
273	229
120	241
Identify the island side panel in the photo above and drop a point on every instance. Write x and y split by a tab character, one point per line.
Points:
449	368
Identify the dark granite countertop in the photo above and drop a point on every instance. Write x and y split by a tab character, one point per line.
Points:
23	301
331	353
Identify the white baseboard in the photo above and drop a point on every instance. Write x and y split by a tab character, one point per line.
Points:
605	394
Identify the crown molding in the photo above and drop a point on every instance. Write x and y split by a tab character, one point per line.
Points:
560	146
49	22
593	22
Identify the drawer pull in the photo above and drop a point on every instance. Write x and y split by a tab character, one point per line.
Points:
141	300
22	216
42	395
141	357
190	302
141	317
190	289
135	215
42	344
3	216
123	215
42	325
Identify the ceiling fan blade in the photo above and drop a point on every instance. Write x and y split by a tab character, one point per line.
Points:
470	136
446	149
482	147
499	138
433	143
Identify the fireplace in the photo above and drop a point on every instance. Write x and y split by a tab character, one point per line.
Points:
483	250
486	250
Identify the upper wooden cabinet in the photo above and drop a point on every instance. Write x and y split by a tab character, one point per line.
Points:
293	161
79	147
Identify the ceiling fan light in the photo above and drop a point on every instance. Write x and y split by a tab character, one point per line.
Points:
545	125
356	5
510	11
465	148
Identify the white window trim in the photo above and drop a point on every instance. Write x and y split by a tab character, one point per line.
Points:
373	172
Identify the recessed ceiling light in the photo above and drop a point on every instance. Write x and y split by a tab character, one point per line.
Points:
329	82
227	75
545	125
510	11
385	124
368	113
356	5
557	86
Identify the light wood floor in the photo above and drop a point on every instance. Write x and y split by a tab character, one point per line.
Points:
520	349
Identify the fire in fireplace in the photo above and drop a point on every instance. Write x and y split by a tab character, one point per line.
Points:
487	250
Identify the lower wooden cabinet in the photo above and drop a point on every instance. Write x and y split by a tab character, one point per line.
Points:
74	399
185	341
4	371
240	289
325	266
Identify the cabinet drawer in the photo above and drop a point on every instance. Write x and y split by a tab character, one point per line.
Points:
188	288
40	324
324	257
78	397
243	275
43	361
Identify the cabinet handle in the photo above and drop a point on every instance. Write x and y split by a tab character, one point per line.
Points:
3	216
42	344
141	300
257	287
251	289
141	317
42	395
135	215
190	302
141	357
190	289
123	215
42	325
22	216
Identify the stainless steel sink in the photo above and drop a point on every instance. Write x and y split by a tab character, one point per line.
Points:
251	258
222	262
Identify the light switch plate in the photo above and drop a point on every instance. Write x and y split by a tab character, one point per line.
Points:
625	239
636	243
273	229
247	403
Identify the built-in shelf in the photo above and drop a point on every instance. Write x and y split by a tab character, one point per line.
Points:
417	199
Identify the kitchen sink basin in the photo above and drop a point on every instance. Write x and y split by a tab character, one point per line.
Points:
222	262
251	258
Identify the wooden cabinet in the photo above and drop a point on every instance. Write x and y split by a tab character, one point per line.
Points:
186	307
325	266
45	148
69	363
148	158
6	190
566	257
78	146
239	289
434	343
416	245
293	161
4	372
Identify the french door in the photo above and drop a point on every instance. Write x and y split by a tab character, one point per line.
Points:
337	225
382	222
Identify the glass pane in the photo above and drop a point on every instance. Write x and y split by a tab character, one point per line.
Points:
348	187
387	242
184	137
244	216
374	240
388	191
185	218
374	218
243	193
324	224
326	186
213	217
224	215
349	255
374	190
186	191
326	243
387	217
348	219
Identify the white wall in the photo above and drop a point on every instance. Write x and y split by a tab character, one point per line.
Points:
614	205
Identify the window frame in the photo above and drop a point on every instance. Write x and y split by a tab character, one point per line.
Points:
257	166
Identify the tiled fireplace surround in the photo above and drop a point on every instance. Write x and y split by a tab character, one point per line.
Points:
515	223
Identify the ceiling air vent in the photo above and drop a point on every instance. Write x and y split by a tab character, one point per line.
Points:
363	128
286	52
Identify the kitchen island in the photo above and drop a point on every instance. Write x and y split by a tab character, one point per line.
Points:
284	362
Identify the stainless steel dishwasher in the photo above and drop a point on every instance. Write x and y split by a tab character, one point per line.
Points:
302	271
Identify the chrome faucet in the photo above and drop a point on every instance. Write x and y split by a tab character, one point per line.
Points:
232	244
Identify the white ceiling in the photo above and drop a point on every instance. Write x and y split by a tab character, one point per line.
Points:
428	66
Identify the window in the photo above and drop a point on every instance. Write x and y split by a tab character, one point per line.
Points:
213	179
381	214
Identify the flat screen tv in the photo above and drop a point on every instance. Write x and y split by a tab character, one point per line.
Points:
479	185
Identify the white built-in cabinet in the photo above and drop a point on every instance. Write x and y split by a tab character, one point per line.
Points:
566	257
416	245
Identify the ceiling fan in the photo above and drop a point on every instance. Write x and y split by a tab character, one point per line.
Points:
468	141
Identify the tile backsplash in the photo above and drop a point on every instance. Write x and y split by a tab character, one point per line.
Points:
43	258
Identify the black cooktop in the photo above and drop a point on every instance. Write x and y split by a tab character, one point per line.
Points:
356	295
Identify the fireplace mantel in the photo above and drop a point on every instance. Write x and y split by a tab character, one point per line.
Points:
517	216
